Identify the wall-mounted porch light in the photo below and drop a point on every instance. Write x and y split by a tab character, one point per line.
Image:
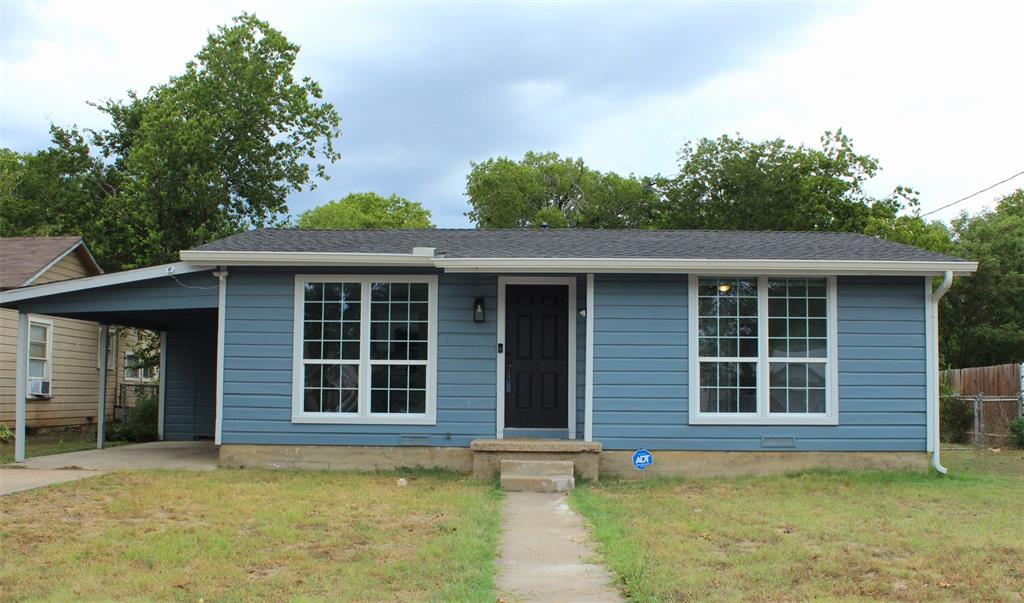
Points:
582	312
478	309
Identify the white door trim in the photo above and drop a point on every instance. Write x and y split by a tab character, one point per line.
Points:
503	282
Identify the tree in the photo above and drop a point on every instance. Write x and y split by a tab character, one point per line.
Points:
560	191
215	150
982	316
359	211
731	183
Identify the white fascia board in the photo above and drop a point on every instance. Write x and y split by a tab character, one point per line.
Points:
562	265
93	282
298	258
700	266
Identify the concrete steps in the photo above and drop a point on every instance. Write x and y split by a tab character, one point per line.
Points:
537	476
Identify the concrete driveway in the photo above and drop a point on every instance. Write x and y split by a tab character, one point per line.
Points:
56	468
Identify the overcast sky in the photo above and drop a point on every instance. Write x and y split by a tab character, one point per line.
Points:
933	91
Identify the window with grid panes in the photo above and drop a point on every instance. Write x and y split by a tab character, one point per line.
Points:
727	344
764	350
366	347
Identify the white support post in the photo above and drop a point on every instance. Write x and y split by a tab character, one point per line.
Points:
20	379
588	386
104	334
162	385
101	417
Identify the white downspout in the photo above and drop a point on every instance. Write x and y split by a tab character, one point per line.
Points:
933	326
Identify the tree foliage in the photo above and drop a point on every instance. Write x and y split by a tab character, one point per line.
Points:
213	151
730	183
983	314
359	211
559	191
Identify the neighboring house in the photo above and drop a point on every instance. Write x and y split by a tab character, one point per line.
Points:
439	347
62	373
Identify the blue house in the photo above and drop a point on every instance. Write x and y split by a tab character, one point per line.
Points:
718	352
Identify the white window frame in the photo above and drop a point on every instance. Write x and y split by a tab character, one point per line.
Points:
364	416
139	371
48	325
763	416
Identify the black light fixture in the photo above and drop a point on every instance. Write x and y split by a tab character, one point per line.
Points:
478	309
582	312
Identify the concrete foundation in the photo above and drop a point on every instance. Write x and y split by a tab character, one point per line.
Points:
483	459
690	463
352	458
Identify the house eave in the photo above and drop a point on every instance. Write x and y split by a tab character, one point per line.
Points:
562	265
11	296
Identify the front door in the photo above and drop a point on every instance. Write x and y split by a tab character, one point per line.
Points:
537	356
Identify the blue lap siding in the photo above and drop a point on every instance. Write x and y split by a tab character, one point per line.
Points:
258	368
640	370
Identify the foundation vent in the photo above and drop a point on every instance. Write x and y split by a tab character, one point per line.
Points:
778	442
413	440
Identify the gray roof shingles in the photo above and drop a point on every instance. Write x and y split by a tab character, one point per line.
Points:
668	244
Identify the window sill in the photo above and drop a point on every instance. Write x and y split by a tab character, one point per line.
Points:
339	420
826	420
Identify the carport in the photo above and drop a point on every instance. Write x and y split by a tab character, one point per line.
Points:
177	300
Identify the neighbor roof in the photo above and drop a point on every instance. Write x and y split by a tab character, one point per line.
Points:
590	244
24	259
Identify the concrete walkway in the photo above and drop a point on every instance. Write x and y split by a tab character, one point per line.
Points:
201	456
16	480
545	555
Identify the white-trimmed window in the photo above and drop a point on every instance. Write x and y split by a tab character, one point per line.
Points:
134	372
365	349
763	350
40	358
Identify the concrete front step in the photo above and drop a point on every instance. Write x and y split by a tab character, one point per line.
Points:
537	476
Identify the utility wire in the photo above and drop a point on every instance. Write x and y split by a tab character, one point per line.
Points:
988	188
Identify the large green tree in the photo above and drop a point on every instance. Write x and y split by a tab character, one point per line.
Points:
213	151
983	315
359	211
731	183
559	191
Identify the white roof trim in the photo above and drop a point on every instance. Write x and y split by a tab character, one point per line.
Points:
298	258
101	280
701	265
549	265
61	256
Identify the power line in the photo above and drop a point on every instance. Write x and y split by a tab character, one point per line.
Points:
988	188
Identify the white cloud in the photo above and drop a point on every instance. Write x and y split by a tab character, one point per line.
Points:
932	93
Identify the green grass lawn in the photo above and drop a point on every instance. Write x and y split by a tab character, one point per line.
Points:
249	535
818	535
54	442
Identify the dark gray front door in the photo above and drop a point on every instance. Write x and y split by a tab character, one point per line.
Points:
536	356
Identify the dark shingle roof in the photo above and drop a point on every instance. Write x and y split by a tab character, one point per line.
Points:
669	244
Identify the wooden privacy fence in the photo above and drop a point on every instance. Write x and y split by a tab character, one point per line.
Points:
998	380
997	396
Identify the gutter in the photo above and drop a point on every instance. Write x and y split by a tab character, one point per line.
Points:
947	282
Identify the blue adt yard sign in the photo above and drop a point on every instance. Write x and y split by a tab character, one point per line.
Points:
642	459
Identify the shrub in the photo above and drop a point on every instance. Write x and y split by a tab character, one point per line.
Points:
1017	432
140	425
6	435
956	417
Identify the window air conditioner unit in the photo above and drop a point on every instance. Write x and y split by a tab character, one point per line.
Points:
39	388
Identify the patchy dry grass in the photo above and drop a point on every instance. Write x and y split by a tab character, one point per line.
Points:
252	535
819	535
71	439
